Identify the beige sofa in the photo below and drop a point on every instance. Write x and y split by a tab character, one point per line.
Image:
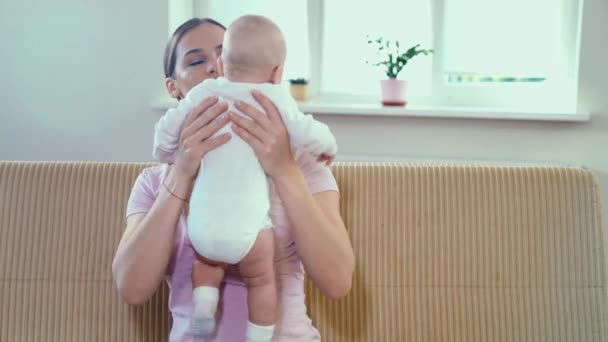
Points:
444	253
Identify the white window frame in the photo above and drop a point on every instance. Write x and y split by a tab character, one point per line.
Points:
445	95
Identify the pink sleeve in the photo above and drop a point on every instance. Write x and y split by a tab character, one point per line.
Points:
318	176
143	193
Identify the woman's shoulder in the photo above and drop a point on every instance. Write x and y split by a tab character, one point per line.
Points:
156	171
146	188
318	176
153	175
150	180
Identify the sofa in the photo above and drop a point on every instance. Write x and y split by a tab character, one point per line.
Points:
443	253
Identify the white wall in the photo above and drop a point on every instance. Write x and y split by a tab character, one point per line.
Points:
77	78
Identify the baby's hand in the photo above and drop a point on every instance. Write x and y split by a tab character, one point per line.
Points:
327	159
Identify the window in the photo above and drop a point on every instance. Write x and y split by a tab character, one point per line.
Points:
515	54
346	25
505	38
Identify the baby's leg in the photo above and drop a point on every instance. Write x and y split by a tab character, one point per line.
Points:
206	279
257	270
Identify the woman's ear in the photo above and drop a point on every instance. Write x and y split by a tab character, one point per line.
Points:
220	66
277	74
172	88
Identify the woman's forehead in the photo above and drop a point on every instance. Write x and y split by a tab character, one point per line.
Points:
203	37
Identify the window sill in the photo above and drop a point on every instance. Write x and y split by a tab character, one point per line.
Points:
377	110
345	108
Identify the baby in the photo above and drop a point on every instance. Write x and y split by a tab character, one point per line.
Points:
228	217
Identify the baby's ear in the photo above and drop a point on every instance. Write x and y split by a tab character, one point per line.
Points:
277	74
220	66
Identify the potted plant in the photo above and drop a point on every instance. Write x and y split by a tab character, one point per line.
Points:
299	88
394	90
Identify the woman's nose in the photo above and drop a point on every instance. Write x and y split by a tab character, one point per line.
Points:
212	68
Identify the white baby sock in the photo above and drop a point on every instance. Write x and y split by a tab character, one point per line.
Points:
205	300
258	333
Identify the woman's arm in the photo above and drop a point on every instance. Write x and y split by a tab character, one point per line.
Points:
319	232
146	246
321	239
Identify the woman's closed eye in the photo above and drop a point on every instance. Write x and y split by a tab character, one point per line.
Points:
198	61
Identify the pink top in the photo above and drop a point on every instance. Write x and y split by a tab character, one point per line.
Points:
294	324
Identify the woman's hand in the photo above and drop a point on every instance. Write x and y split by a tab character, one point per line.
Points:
317	228
195	141
147	244
266	134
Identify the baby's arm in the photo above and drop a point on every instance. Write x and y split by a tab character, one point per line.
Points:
168	129
307	133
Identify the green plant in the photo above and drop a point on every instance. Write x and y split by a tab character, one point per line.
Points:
394	60
298	81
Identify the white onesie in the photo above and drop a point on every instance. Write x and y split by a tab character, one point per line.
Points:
230	200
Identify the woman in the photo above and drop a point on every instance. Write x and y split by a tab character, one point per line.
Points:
309	231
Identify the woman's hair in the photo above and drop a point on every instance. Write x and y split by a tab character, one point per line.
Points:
170	58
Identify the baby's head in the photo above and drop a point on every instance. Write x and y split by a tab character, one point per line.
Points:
254	51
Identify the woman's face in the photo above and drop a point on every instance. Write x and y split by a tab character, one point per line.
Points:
196	58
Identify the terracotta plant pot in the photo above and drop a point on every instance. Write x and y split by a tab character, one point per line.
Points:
299	91
394	92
